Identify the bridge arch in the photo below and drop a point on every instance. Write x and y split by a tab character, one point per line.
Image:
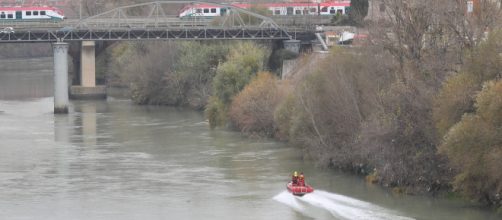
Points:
162	14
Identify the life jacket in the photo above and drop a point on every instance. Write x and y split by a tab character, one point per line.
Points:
301	180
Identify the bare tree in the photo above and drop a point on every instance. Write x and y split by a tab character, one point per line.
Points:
428	37
467	28
404	31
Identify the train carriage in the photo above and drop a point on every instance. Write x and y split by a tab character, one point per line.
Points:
276	9
202	10
333	8
30	13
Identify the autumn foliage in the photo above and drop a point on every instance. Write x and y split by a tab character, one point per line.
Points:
252	110
468	116
474	147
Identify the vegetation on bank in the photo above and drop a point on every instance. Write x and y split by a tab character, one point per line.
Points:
416	110
167	73
252	110
468	112
244	61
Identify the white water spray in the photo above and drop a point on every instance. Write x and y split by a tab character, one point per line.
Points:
339	206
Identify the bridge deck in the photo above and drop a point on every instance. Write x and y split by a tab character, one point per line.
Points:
143	34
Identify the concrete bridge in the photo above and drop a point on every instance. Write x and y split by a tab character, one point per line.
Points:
146	21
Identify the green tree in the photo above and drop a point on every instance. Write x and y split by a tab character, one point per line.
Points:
457	96
244	61
454	100
358	11
196	69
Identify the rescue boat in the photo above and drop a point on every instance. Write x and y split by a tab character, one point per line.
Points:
298	190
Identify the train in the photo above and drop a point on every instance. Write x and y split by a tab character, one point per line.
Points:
275	9
30	13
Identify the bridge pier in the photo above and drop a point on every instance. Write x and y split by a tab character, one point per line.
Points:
292	45
61	99
88	88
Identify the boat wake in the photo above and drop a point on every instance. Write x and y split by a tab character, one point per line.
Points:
339	206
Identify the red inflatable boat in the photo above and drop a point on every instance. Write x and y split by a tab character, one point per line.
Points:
298	190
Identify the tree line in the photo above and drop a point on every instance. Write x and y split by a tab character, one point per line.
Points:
417	107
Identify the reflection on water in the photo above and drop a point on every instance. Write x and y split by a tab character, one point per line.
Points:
21	79
114	160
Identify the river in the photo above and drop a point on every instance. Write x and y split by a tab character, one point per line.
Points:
116	160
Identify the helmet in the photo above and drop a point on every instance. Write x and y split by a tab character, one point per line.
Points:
295	173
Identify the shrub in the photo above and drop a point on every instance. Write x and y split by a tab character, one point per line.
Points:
179	74
196	69
454	100
485	61
398	140
252	110
150	75
244	60
474	147
216	112
283	117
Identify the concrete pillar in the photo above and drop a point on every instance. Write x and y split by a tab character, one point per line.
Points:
61	99
292	45
87	88
88	64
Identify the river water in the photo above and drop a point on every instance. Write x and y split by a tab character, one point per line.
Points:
115	160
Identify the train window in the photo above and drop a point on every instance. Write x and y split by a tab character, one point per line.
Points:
10	16
2	15
298	12
289	10
277	12
28	12
313	10
199	10
42	12
206	10
339	11
213	10
35	12
325	9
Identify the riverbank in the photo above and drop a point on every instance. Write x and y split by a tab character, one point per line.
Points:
346	111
